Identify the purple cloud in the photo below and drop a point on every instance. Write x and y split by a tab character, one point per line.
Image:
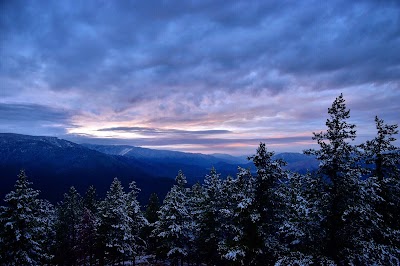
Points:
245	70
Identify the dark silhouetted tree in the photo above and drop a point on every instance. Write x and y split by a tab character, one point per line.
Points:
269	175
69	214
151	214
88	228
209	218
382	188
340	169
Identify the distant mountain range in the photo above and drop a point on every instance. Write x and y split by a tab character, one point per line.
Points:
53	165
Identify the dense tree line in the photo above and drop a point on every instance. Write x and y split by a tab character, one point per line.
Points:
346	213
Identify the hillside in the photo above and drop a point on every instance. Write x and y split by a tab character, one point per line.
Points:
54	165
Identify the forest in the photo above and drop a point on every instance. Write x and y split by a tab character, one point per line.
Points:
345	213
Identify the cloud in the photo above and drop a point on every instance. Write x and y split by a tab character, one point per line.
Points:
34	119
205	145
199	66
157	131
214	44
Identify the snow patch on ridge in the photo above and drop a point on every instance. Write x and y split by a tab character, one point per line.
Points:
125	151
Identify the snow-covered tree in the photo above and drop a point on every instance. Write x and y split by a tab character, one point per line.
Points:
269	175
69	213
381	153
195	207
384	157
370	240
49	218
24	226
87	237
209	218
382	189
138	221
115	227
240	221
339	167
88	227
301	231
90	200
174	226
335	153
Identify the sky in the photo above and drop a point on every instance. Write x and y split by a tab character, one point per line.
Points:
197	76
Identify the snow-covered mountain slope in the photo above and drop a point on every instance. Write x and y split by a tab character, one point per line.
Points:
152	154
55	164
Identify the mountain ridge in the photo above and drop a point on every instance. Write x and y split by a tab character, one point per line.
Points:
55	164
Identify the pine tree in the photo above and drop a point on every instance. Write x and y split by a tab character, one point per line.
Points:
138	221
370	240
382	153
48	215
151	214
227	246
90	201
336	154
194	206
88	227
24	226
339	167
69	213
174	226
269	175
152	208
382	188
115	224
209	218
239	220
87	237
301	233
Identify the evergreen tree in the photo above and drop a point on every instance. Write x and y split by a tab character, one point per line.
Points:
24	226
48	215
138	221
301	233
381	153
90	201
335	153
383	191
151	214
226	246
152	208
339	167
69	213
269	175
240	220
209	218
174	226
370	240
88	227
87	237
195	207
115	226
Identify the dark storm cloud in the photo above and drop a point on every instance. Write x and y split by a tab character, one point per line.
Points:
131	46
33	119
188	65
32	112
157	131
